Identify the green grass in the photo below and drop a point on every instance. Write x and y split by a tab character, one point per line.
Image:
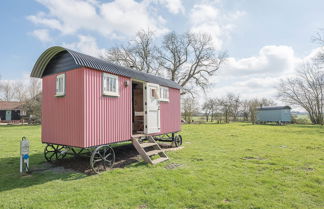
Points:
224	166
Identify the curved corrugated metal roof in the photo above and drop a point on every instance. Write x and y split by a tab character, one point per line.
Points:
274	108
84	60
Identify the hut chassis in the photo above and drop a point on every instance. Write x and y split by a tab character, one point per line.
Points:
102	156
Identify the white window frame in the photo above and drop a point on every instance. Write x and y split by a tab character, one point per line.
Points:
162	98
58	92
107	92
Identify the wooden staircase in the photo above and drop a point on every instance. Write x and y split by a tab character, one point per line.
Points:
148	149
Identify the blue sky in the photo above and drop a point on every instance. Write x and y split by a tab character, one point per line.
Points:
265	39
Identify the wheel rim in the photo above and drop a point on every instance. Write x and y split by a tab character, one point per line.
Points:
180	140
49	152
60	152
176	141
54	151
102	157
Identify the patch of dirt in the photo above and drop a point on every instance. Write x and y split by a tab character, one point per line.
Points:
125	155
197	159
252	158
142	206
283	146
173	166
168	148
308	169
226	201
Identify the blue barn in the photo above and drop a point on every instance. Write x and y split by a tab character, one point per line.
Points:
278	114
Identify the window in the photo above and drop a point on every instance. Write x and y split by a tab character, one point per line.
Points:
60	85
164	94
154	93
23	113
110	85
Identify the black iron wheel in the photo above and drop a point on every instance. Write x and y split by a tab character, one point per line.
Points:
178	140
52	152
102	157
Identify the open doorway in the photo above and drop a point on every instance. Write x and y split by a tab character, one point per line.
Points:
138	120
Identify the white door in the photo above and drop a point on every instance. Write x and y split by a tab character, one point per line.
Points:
8	115
152	108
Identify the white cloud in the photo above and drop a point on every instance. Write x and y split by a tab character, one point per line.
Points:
129	16
87	45
42	35
174	6
270	60
208	18
119	18
258	76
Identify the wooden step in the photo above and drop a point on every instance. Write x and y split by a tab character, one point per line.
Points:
147	144
153	152
159	160
140	147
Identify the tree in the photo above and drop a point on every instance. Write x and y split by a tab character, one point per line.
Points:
139	54
19	89
189	106
234	103
32	107
306	91
34	87
256	103
245	110
319	38
188	59
1	83
7	91
229	106
207	109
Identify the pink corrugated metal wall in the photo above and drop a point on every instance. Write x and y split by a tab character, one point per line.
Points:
85	118
107	119
62	117
170	112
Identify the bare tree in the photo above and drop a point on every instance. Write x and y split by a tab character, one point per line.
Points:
34	87
245	110
190	107
256	103
20	93
234	103
207	108
1	86
7	91
189	59
139	54
306	91
319	39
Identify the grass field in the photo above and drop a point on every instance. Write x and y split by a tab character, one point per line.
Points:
223	166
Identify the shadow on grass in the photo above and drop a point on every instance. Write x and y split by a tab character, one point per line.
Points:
307	126
10	177
126	156
69	169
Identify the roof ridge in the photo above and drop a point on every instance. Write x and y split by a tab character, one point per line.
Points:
120	66
85	60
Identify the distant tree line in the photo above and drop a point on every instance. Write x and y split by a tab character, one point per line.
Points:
28	92
224	109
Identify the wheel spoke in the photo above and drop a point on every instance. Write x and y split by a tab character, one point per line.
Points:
109	154
102	158
99	160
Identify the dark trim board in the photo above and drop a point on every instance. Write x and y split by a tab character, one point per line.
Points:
58	59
